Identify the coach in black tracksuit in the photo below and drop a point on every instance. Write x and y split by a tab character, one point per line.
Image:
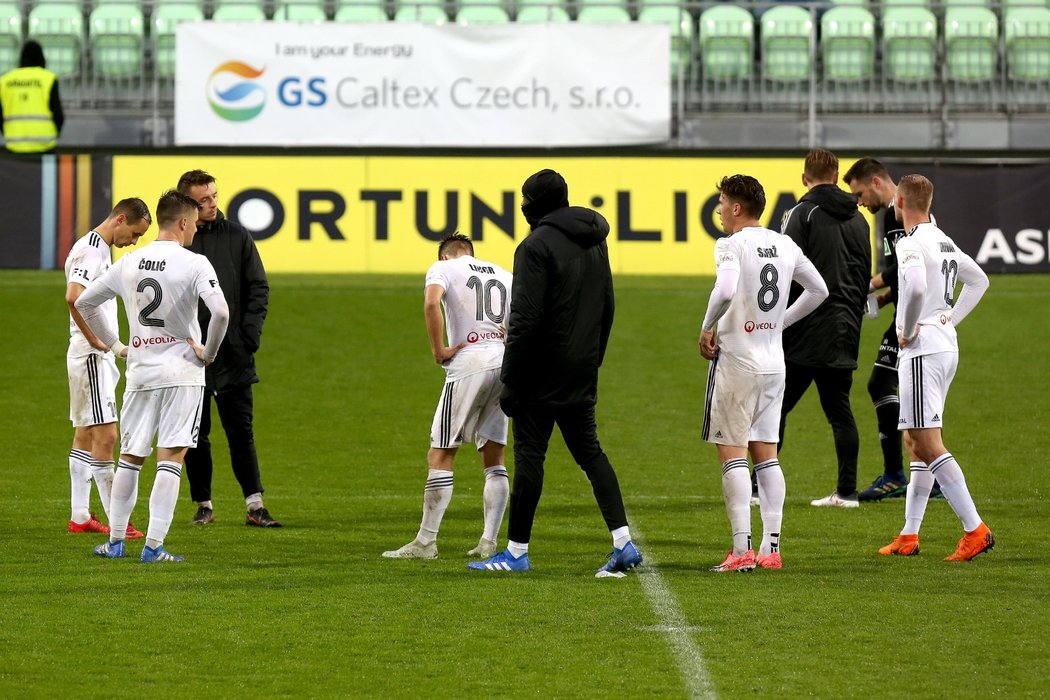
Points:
822	348
228	381
560	318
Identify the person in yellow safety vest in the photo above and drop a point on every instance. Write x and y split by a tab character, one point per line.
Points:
30	108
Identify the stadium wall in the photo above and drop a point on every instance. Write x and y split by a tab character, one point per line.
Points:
383	212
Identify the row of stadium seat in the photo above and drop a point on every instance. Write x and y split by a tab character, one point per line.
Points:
726	54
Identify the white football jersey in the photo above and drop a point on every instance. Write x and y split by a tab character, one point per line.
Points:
749	333
160	285
929	248
89	258
476	301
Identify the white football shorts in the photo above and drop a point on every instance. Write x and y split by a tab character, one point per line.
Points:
741	406
92	389
171	414
924	383
468	410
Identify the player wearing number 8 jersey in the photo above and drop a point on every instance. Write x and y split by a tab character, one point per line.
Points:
474	296
929	266
745	382
160	285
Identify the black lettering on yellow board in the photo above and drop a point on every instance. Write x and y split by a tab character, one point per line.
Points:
313	211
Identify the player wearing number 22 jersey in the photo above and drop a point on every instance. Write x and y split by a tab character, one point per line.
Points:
471	297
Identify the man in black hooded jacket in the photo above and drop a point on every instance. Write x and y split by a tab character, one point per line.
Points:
561	314
822	348
232	252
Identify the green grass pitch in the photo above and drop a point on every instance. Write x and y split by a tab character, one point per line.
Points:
343	415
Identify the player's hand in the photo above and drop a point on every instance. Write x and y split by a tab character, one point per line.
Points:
443	355
198	350
708	345
123	353
884	298
904	341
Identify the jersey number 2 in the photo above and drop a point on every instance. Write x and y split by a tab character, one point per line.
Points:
483	292
950	270
144	313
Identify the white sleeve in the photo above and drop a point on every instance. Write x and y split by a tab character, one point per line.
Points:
436	275
815	291
97	293
728	266
909	304
975	284
211	294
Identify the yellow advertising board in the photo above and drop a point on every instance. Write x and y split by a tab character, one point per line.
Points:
386	213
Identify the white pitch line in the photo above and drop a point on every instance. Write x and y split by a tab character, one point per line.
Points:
674	626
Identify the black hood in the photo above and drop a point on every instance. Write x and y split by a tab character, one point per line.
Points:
837	203
584	227
544	192
32	56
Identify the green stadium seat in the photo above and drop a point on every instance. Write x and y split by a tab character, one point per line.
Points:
166	17
909	44
482	14
537	13
425	11
683	32
362	12
889	4
850	3
10	36
232	11
948	4
300	11
603	14
971	42
116	36
785	37
1027	33
847	44
726	42
59	27
1008	5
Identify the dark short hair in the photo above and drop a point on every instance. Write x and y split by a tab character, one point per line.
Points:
174	205
821	164
917	193
746	191
453	242
193	178
133	209
865	169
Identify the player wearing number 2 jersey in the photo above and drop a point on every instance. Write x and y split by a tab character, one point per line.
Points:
160	285
474	296
745	382
929	266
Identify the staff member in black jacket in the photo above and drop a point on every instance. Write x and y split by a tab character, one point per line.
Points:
561	314
822	348
230	249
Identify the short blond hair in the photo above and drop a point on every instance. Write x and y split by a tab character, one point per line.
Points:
916	192
821	165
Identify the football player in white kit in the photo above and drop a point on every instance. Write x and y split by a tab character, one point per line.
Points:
745	382
160	285
92	367
475	296
929	266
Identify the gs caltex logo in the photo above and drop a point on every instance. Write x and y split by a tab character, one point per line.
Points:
233	93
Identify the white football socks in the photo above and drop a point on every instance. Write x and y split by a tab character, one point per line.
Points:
953	484
79	486
122	499
495	495
162	502
253	502
771	493
517	548
620	536
436	496
919	486
736	492
102	473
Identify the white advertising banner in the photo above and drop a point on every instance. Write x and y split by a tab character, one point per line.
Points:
338	84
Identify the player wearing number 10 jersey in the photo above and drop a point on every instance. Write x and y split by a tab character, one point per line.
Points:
475	296
745	383
160	285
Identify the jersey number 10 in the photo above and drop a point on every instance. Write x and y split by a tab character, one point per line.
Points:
483	292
